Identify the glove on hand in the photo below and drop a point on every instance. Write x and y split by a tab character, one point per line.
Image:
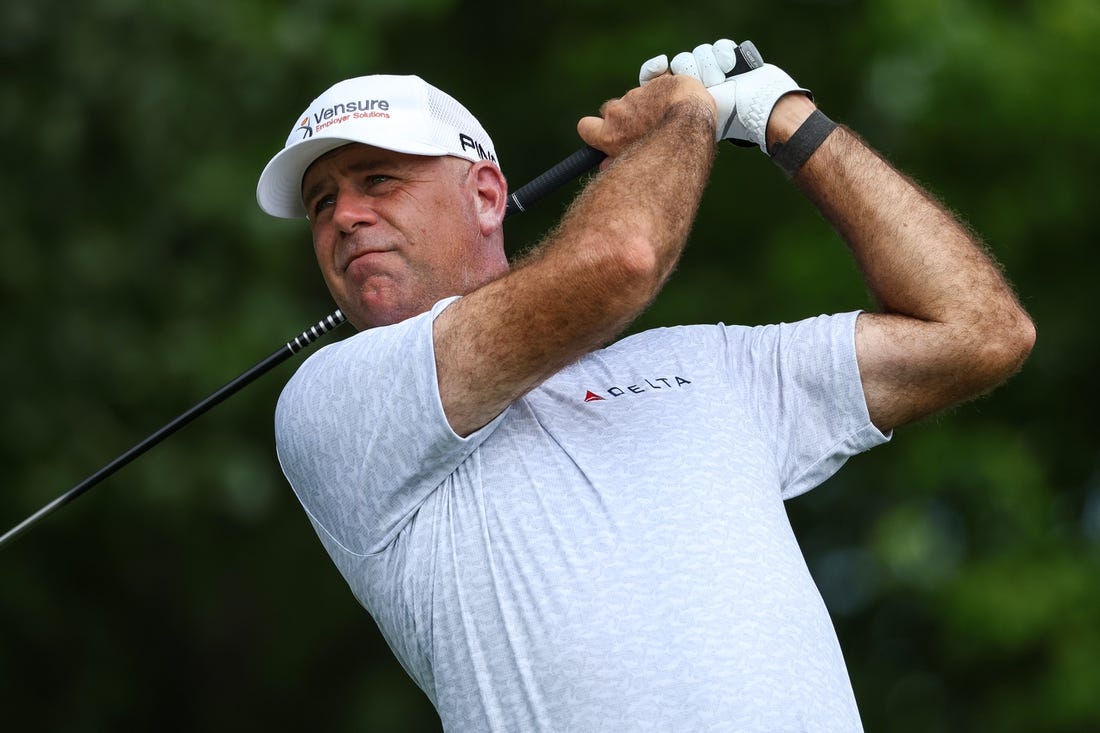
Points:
745	101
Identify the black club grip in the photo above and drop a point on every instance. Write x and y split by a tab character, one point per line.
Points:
587	158
748	58
575	165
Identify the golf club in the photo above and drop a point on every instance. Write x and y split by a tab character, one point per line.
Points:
575	165
580	162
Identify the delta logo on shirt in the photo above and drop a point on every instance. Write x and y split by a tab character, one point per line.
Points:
645	385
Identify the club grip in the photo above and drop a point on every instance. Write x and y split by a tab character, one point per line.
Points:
587	158
316	331
748	58
575	165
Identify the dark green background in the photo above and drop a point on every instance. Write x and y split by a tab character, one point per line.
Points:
961	562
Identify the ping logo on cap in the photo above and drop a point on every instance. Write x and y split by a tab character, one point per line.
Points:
468	143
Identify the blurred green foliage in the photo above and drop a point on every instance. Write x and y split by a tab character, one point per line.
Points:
961	562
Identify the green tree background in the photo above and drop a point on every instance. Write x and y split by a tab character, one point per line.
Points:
960	562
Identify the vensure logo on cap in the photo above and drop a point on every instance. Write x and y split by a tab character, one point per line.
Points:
334	114
305	127
404	114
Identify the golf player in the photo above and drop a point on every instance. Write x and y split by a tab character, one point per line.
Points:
556	530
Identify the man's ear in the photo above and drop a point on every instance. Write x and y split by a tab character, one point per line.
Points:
492	195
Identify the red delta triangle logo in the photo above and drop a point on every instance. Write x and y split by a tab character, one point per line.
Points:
642	386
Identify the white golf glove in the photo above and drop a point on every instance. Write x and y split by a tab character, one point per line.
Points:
745	101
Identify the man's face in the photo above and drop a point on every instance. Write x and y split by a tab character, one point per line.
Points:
393	233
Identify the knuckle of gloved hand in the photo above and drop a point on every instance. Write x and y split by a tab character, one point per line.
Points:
725	52
684	64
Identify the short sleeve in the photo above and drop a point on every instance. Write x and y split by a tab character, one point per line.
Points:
806	391
362	436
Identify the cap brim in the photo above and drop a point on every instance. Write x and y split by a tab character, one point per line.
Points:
279	190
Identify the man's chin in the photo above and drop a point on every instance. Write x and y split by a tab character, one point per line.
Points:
372	313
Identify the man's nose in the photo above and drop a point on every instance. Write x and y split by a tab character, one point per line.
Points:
353	210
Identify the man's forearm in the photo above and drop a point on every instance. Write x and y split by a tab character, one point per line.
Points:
950	326
917	259
595	272
643	206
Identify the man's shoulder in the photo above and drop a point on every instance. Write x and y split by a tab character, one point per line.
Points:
358	358
742	339
688	335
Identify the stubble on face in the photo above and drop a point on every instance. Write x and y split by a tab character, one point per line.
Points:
401	234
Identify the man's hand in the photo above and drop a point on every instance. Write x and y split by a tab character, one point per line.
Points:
744	102
708	63
627	119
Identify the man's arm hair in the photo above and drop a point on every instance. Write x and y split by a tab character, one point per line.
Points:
598	269
949	326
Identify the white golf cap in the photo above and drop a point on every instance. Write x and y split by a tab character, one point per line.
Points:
400	113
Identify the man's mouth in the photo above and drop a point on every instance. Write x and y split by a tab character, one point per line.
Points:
356	256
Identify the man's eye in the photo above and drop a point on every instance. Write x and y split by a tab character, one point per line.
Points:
323	203
377	179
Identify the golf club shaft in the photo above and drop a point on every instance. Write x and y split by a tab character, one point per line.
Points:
580	162
576	164
287	350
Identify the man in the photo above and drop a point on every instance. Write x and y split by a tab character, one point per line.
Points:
558	535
